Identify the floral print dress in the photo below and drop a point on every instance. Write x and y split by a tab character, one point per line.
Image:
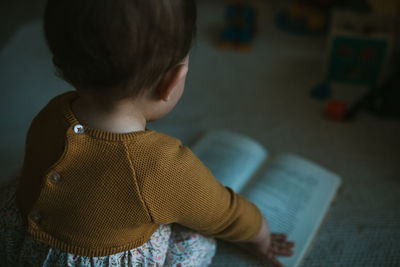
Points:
170	245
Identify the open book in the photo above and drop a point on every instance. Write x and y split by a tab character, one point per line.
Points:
292	193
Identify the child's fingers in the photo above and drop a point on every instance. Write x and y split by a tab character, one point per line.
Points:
282	252
282	248
288	244
279	237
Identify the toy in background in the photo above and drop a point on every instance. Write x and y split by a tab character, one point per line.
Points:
360	49
306	17
240	28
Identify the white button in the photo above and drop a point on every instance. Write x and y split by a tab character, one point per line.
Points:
79	129
35	217
55	178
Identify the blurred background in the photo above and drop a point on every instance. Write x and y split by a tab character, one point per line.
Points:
317	78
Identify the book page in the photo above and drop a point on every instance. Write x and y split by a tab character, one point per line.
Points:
232	158
294	195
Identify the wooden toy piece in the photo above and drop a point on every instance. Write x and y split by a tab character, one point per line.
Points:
314	18
240	17
317	20
306	17
336	110
360	48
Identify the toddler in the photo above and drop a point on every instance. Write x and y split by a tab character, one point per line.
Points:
97	187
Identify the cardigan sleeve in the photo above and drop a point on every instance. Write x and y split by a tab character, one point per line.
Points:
179	188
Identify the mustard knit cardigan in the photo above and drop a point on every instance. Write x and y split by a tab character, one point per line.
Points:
95	193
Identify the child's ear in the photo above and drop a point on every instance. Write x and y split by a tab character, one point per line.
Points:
170	82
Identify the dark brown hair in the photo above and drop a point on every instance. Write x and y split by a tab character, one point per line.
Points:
118	48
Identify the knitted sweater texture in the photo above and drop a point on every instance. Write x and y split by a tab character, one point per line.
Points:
95	193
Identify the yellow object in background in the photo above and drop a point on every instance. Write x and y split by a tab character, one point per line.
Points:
386	7
317	21
315	18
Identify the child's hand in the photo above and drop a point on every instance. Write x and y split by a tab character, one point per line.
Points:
268	246
279	247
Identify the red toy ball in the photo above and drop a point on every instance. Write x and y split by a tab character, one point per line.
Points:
335	110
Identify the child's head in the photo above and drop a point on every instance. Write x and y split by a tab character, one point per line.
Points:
118	48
